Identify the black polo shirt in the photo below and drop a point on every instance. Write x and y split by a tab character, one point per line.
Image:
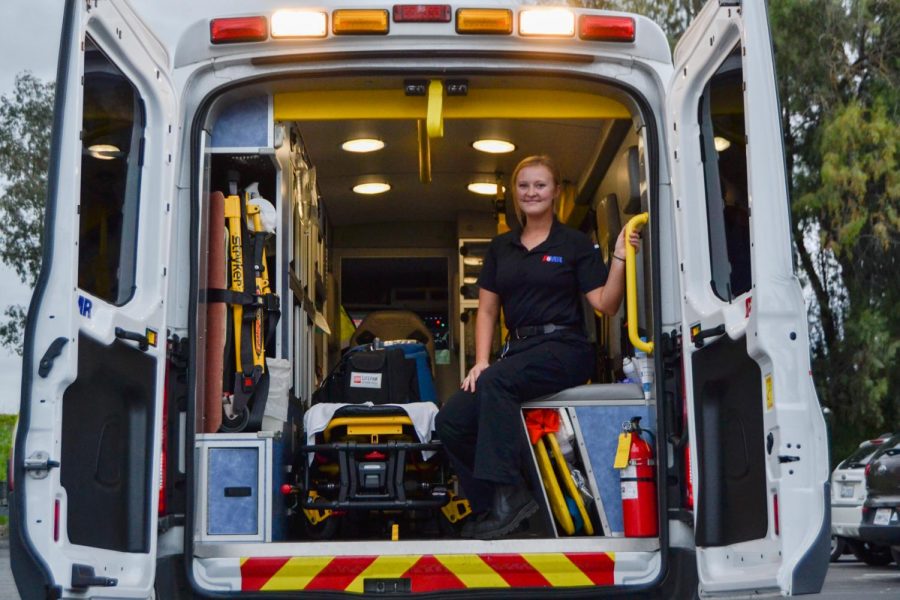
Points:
543	285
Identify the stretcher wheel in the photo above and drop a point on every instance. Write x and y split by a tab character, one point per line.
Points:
237	423
325	530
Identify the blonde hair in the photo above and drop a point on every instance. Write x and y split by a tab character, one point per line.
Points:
538	160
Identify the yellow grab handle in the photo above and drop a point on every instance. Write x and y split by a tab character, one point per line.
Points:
638	222
434	117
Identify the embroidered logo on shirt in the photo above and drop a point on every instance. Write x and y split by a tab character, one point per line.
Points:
552	259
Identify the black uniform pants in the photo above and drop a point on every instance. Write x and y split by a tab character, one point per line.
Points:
482	432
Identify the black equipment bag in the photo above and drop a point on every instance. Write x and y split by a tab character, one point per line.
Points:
379	376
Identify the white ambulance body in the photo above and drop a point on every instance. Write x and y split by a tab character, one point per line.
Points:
112	484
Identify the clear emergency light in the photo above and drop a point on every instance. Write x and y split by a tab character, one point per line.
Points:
555	22
299	24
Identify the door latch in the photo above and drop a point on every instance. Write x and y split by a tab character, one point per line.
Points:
83	577
699	337
38	465
143	342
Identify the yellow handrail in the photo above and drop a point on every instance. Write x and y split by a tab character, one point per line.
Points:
638	222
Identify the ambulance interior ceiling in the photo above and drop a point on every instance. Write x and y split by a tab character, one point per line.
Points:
543	123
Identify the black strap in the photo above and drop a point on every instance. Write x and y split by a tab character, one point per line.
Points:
217	296
530	330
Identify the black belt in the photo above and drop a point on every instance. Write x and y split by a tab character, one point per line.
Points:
529	330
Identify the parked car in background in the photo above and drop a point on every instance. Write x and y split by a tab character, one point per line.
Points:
848	493
880	526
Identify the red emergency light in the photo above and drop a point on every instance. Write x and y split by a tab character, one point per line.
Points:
422	13
600	28
238	29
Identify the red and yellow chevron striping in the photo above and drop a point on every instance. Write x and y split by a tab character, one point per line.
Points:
428	573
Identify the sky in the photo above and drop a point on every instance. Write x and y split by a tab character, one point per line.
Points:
29	40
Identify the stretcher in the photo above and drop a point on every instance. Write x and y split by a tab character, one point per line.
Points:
372	467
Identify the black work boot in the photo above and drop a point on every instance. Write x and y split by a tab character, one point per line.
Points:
512	505
472	521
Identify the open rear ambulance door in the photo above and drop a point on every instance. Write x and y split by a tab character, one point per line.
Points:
87	451
758	442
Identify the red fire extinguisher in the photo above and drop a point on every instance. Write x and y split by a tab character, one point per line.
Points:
638	484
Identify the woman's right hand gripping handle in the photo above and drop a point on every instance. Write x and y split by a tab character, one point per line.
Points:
468	383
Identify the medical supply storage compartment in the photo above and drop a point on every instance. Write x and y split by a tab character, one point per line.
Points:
234	501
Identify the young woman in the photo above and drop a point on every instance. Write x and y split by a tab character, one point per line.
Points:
538	273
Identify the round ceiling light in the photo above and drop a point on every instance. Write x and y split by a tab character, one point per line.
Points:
483	188
492	146
363	145
721	144
104	151
369	189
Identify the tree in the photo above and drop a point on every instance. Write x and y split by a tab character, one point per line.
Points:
839	84
839	115
26	117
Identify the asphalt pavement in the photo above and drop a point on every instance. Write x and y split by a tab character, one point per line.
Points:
7	586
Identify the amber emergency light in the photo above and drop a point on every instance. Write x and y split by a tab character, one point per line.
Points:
484	20
359	22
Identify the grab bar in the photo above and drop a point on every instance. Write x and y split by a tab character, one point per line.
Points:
638	222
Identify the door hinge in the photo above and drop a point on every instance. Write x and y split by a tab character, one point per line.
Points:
38	465
83	577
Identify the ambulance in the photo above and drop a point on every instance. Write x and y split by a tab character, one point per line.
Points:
241	194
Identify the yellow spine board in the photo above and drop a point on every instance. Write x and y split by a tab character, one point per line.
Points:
236	256
563	469
554	493
262	288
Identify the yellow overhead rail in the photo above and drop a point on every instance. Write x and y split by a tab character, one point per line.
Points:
435	118
325	105
636	222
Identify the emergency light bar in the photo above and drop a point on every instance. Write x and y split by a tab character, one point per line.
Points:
238	29
422	13
547	22
299	24
533	22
